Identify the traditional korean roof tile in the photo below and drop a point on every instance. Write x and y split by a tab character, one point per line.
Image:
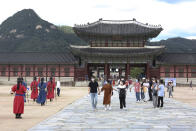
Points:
118	27
117	51
37	58
177	59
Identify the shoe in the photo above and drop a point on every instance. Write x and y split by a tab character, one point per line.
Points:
125	108
105	109
110	108
19	116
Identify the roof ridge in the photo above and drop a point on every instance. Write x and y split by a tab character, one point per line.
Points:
133	21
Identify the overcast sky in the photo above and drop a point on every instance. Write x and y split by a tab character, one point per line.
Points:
177	17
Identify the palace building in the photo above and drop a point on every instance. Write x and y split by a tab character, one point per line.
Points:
115	47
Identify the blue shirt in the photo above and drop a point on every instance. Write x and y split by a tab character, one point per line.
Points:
161	90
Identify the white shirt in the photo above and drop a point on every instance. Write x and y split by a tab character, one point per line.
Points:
161	90
58	84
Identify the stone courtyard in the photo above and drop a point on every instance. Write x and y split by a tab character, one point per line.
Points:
79	116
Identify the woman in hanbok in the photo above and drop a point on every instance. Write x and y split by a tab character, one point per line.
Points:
18	107
34	89
51	86
42	92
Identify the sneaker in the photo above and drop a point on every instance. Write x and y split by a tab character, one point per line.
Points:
105	109
125	108
110	108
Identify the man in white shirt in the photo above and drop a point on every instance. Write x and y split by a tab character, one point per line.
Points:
160	94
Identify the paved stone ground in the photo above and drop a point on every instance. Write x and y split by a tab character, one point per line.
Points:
79	116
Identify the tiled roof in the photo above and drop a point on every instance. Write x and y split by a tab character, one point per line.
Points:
116	51
177	58
118	27
37	58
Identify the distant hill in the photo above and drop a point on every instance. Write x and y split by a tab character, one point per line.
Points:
70	35
26	31
177	45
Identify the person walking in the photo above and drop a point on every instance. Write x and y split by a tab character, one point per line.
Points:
18	106
191	84
34	89
160	94
145	90
42	92
93	91
137	87
150	89
122	94
50	89
58	86
155	93
169	88
25	85
107	88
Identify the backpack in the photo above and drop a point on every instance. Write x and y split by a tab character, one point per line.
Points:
122	93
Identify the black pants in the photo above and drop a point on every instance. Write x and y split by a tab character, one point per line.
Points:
122	101
58	91
160	99
150	94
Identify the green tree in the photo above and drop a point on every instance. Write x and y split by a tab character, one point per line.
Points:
135	72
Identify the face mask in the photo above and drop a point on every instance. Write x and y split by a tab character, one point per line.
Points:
93	79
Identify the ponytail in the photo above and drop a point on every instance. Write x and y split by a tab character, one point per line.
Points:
18	83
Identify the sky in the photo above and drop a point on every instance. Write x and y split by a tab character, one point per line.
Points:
177	17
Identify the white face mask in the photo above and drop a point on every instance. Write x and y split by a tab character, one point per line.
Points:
93	80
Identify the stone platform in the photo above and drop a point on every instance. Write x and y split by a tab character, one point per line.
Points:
79	116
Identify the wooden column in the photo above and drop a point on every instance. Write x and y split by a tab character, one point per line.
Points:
106	71
86	71
187	74
46	72
33	70
147	71
9	72
59	72
120	72
127	72
24	71
174	71
21	70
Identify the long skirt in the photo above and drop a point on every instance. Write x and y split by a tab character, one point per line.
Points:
18	107
50	94
34	94
42	97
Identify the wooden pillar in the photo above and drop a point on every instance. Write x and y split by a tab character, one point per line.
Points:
106	71
9	72
46	72
120	72
106	43
174	71
86	71
187	74
24	71
127	71
21	71
59	72
147	71
98	72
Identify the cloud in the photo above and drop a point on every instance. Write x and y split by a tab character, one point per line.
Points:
175	1
176	18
